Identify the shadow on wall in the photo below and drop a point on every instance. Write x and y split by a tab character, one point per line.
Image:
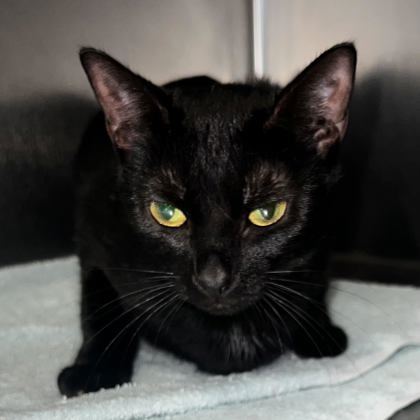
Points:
379	199
38	140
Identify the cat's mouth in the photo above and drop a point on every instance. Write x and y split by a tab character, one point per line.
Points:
221	306
220	309
237	296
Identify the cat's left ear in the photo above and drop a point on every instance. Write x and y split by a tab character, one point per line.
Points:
316	101
134	108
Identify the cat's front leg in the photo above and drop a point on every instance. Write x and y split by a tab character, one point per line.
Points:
318	337
109	346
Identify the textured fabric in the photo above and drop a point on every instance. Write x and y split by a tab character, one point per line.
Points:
39	334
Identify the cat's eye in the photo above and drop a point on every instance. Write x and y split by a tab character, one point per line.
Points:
167	215
268	215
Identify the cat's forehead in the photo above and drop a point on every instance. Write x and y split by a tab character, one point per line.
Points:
260	181
220	126
215	152
228	102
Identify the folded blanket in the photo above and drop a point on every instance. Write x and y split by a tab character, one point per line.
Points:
39	334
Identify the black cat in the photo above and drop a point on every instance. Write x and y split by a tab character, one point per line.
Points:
202	218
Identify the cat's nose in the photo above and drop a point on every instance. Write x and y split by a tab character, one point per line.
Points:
212	276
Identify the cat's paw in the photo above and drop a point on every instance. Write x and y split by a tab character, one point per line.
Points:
328	342
80	379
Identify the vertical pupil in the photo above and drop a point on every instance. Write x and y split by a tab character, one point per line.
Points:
267	213
167	211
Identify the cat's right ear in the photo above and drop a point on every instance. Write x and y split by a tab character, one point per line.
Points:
315	104
132	105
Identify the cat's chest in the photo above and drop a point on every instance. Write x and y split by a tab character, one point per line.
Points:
222	350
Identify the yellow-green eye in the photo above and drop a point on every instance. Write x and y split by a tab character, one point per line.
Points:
167	215
268	215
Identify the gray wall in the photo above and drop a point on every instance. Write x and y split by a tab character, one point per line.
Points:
161	39
386	32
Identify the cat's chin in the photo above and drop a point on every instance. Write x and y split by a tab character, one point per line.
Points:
221	308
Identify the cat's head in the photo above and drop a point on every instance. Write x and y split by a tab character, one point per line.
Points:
227	183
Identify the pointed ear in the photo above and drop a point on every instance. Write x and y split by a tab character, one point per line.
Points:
316	101
133	106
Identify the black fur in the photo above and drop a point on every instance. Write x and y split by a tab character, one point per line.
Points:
205	290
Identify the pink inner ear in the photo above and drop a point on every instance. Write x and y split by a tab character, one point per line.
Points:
316	101
337	95
112	104
326	136
106	91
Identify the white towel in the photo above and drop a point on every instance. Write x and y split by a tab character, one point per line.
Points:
39	334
